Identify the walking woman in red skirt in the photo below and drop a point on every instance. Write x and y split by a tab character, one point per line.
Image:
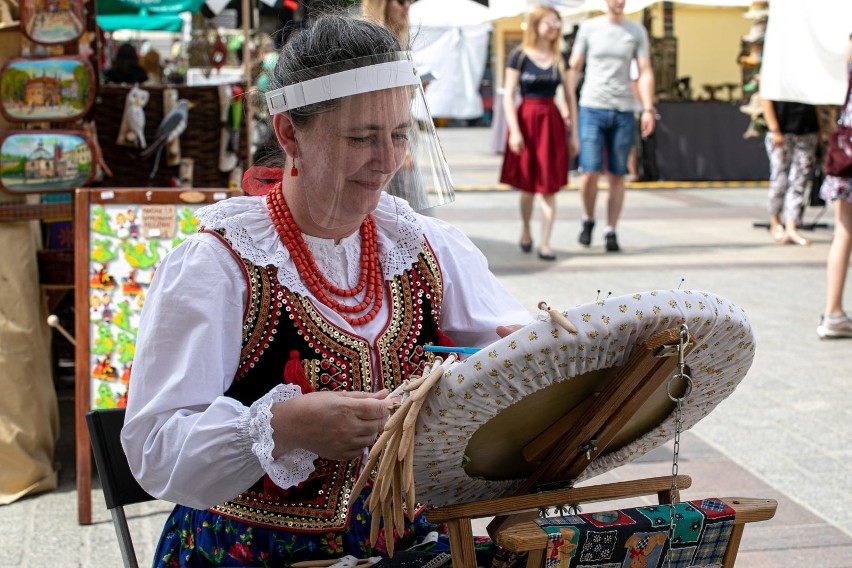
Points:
536	156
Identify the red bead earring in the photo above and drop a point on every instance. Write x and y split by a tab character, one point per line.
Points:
294	171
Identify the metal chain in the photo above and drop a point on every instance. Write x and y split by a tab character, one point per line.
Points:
678	400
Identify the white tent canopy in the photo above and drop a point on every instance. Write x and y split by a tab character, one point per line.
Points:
450	38
509	8
804	56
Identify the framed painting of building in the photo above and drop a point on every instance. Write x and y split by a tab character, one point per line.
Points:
44	161
52	22
120	238
56	89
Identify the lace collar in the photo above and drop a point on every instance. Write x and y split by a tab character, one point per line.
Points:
249	229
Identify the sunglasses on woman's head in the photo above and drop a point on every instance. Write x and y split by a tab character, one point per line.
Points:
404	2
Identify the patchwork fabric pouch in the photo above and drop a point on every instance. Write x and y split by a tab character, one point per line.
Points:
641	537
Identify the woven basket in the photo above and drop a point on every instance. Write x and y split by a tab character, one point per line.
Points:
200	141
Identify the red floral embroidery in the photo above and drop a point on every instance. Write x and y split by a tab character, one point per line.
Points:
241	552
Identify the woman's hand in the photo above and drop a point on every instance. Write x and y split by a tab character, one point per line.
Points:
777	139
333	425
647	123
516	142
504	330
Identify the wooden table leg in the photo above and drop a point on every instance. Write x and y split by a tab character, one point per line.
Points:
535	558
461	543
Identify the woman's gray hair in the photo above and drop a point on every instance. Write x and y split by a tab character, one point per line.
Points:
329	44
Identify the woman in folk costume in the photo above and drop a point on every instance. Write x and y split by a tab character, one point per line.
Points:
536	157
269	341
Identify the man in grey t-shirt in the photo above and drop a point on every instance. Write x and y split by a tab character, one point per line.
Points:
605	121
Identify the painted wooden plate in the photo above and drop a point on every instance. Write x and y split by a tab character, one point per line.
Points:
44	161
52	22
56	89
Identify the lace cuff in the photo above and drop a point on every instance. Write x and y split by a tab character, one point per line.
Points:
291	468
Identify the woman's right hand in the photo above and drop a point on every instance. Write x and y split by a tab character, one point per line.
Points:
574	148
333	425
516	142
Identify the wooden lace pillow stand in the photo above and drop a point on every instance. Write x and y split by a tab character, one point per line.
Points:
589	427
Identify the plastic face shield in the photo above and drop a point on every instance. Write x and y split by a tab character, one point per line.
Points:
368	130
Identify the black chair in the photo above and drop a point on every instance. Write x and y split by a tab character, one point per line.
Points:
119	486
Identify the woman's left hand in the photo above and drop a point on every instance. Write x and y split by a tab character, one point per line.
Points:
504	330
334	425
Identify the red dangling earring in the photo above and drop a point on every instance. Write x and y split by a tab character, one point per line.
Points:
294	171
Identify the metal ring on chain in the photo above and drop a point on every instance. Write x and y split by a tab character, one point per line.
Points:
686	391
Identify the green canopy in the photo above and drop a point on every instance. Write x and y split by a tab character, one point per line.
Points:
148	15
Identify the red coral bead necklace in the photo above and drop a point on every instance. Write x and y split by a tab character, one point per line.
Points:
370	275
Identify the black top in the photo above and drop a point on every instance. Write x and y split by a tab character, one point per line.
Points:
129	75
535	82
796	118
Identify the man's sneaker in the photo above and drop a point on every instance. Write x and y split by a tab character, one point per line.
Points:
611	243
586	234
835	326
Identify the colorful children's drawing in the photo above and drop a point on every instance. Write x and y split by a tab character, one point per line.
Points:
122	318
44	161
188	223
58	89
101	279
126	352
102	251
130	287
105	397
104	343
52	21
101	222
104	370
139	257
122	261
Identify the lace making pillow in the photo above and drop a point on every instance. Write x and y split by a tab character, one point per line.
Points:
485	409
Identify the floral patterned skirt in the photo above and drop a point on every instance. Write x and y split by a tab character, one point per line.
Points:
194	537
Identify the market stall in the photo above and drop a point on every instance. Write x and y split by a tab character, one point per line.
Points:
64	131
450	40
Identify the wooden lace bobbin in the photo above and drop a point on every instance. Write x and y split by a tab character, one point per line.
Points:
394	497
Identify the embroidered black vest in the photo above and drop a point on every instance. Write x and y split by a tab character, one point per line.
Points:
277	324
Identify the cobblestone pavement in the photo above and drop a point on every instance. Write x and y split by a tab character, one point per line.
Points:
785	433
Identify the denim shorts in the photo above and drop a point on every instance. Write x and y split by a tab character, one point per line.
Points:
601	129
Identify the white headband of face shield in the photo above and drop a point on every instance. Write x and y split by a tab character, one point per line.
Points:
343	84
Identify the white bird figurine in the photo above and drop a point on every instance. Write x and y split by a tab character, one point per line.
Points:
171	127
132	130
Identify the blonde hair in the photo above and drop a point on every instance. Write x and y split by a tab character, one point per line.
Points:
376	11
531	33
150	62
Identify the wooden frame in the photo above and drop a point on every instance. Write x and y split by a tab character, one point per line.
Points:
571	443
43	88
568	446
42	167
529	537
126	232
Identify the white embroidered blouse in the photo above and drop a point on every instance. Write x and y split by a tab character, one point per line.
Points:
185	440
